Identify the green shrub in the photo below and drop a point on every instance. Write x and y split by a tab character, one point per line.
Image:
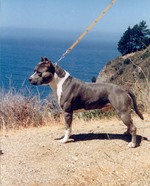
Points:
145	55
95	114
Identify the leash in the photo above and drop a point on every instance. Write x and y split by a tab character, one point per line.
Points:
86	31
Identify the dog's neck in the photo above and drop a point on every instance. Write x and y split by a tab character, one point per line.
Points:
59	78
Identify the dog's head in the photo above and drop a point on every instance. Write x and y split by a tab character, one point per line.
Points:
43	73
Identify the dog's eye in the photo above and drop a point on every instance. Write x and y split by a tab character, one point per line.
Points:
39	74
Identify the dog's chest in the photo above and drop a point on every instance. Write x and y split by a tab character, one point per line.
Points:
59	91
57	86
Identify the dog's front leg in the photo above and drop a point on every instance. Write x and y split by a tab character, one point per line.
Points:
68	121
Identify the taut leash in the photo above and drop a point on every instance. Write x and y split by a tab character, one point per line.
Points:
86	31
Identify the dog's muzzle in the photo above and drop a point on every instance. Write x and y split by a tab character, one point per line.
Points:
35	81
32	82
40	80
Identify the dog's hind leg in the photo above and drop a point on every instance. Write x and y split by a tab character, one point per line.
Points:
126	118
68	121
121	102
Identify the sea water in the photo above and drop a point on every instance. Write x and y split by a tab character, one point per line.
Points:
18	57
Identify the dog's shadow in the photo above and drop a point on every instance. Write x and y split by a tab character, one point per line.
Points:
105	136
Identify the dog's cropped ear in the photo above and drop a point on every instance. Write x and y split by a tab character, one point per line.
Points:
42	59
46	59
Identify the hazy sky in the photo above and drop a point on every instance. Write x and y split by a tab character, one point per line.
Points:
73	15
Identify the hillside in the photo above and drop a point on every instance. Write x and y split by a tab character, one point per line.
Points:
127	69
132	71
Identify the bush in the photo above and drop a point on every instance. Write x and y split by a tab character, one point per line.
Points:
127	61
93	80
145	55
95	114
17	110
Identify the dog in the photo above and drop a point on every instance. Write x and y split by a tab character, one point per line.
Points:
75	95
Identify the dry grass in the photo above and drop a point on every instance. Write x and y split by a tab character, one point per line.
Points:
142	92
17	110
133	72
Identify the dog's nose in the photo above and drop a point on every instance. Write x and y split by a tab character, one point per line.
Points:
30	79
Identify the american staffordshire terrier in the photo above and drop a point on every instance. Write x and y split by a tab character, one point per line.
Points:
75	95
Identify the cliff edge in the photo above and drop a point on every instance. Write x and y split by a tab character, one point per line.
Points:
128	69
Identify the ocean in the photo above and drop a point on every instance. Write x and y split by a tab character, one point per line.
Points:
18	57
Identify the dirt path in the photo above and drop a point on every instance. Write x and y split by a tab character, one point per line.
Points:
99	156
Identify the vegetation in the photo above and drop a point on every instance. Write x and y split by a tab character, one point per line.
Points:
93	80
134	39
17	110
132	71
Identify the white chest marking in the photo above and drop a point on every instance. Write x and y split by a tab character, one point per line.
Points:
56	85
60	84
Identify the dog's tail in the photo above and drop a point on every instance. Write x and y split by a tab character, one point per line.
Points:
135	105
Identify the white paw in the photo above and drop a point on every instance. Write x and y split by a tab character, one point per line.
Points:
63	140
132	145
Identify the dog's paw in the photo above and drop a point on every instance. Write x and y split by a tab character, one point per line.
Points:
131	145
63	140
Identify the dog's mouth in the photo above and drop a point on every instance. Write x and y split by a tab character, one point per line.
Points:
33	82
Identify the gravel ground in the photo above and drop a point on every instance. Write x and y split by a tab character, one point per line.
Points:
97	155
